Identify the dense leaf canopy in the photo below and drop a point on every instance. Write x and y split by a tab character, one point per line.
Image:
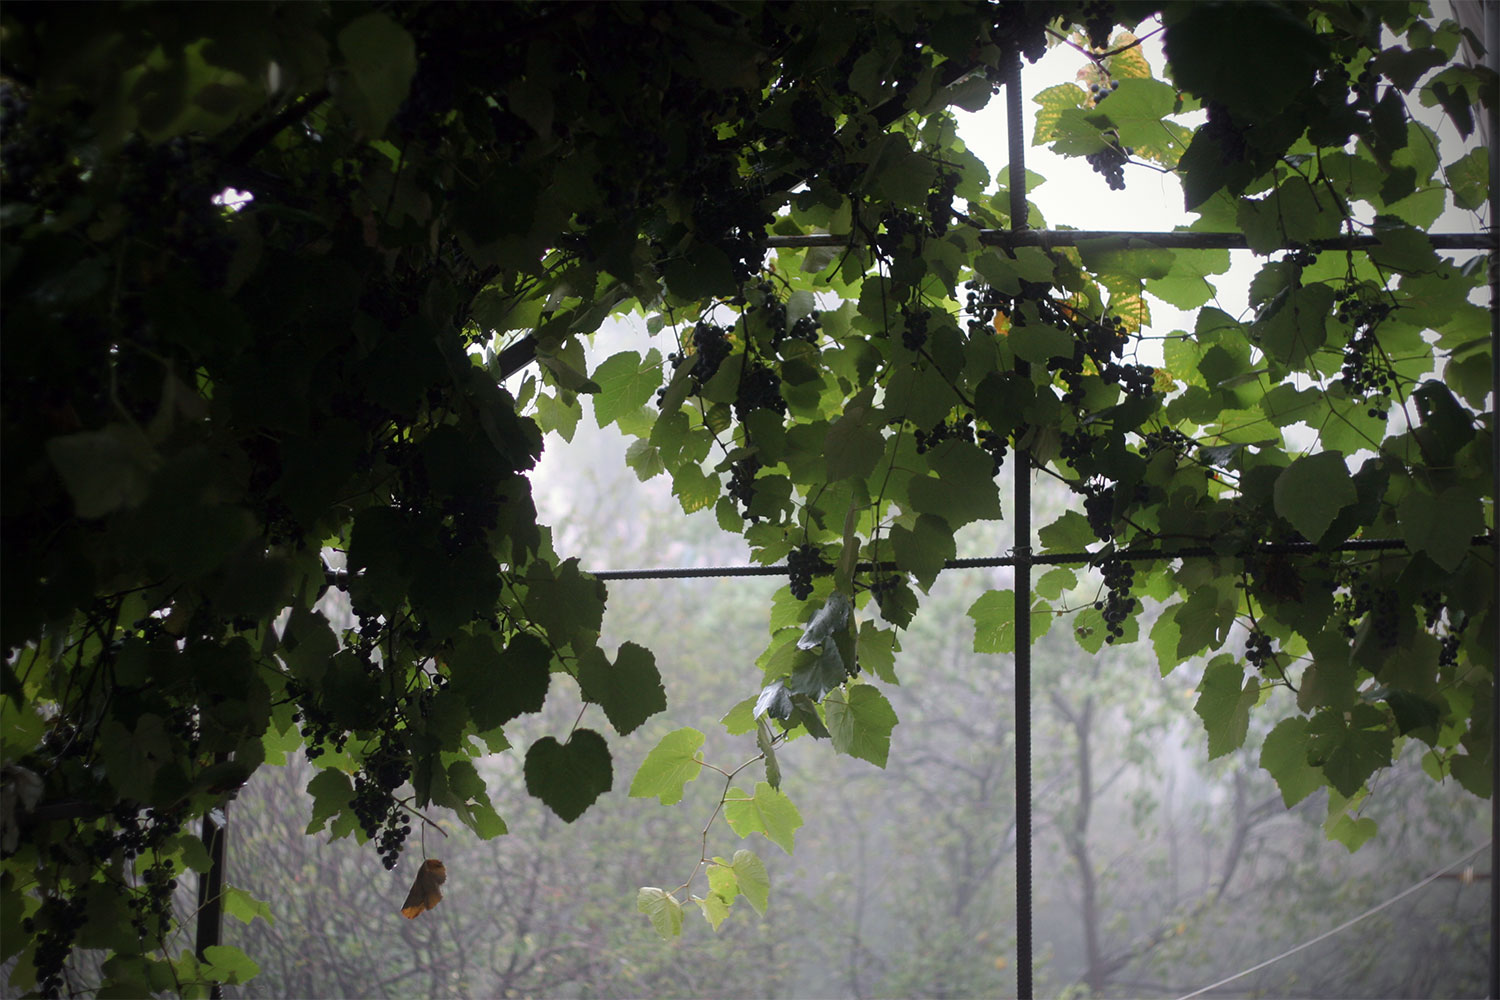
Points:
215	415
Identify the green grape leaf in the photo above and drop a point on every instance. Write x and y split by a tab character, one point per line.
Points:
1311	491
860	720
765	741
1414	714
104	470
569	776
663	910
714	908
964	489
741	718
1296	212
1441	526
1284	755
1294	324
381	59
1224	704
1468	177
244	907
1069	533
854	444
831	619
1350	831
496	686
923	549
228	964
767	812
750	878
672	763
876	649
722	881
994	615
1351	746
626	383
1138	109
1236	74
630	691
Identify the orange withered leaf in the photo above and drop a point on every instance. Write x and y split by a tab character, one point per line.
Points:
425	892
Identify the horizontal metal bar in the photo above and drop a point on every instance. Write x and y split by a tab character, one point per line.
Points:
1185	240
1044	559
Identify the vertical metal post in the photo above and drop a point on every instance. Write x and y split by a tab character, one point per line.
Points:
1492	60
1016	136
211	893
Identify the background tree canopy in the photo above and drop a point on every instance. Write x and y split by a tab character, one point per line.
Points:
214	419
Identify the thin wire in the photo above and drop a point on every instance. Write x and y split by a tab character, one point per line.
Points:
1343	926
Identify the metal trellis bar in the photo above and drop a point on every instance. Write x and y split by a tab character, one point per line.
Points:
1042	559
1180	240
1016	141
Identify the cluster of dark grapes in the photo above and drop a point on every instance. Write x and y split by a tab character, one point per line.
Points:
1110	161
711	347
742	483
1433	606
469	517
805	329
35	164
170	184
1098	17
1099	507
763	301
1223	131
1166	439
980	303
1301	255
961	429
316	725
711	344
898	224
732	217
433	91
813	137
1448	645
1436	605
759	389
1099	91
1364	373
132	832
983	301
1258	650
1364	599
1117	604
1077	447
802	564
1102	342
54	927
884	588
161	883
914	326
940	202
1020	26
380	817
994	445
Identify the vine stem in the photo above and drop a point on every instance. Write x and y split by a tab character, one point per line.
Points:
428	821
729	777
